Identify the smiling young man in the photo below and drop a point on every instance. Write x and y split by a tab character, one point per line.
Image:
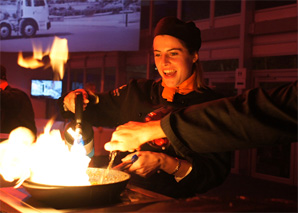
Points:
173	61
169	171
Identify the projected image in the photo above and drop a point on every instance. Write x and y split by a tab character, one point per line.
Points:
88	25
46	88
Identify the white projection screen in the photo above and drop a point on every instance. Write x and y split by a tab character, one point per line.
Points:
88	25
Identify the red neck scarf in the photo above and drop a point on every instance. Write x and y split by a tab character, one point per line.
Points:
186	87
3	85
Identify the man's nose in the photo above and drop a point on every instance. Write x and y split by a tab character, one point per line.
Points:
165	60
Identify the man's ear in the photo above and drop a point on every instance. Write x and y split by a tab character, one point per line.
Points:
195	57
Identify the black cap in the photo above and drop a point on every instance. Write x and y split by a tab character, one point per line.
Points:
185	31
3	73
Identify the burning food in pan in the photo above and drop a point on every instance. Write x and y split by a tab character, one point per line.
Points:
56	175
48	160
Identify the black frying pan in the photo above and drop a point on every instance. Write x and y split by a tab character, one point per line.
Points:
97	194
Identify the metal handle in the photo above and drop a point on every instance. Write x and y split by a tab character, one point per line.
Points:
79	108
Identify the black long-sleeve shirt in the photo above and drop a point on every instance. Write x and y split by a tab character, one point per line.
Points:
250	120
16	110
133	102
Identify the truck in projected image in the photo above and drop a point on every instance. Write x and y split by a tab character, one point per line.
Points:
24	17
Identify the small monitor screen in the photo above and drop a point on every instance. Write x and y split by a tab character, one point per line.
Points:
46	88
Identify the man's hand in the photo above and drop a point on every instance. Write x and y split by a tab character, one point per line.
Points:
69	100
132	135
150	162
147	163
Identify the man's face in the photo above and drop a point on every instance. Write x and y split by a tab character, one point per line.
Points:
172	59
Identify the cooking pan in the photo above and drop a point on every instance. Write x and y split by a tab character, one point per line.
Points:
105	189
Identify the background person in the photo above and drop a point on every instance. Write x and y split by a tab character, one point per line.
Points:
16	107
16	110
170	171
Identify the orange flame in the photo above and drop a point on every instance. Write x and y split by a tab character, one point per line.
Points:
47	161
58	55
29	62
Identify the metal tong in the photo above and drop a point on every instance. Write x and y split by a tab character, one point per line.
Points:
126	164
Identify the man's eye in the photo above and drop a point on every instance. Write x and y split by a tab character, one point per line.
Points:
173	53
156	55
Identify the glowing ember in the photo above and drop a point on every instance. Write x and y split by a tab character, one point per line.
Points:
47	161
58	55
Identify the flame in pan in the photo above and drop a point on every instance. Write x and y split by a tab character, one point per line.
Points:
47	160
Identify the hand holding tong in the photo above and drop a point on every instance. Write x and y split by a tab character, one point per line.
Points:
126	164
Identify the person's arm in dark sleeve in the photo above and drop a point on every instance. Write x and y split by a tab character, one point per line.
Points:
113	108
255	118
